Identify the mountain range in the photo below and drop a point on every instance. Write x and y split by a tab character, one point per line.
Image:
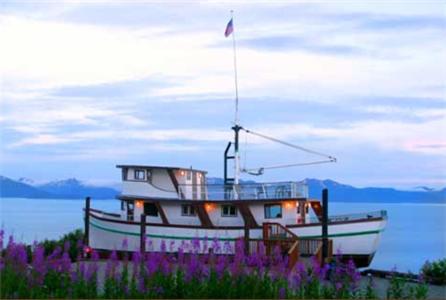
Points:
61	189
75	189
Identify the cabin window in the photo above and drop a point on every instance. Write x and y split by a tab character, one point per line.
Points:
149	175
228	211
273	211
150	209
130	210
140	175
188	210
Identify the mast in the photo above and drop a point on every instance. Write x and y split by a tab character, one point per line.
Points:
236	157
236	127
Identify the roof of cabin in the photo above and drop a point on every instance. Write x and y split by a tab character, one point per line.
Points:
158	167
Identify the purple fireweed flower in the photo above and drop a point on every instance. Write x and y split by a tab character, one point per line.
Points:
158	290
136	261
93	267
54	260
282	293
152	264
181	255
216	245
205	245
353	275
195	245
80	245
65	263
163	247
319	272
192	268
141	285
221	265
66	246
111	265
2	236
227	248
338	286
38	265
125	244
172	246
150	245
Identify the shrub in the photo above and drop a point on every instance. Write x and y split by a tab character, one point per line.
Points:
435	272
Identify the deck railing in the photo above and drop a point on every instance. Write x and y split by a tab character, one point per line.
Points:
351	217
244	191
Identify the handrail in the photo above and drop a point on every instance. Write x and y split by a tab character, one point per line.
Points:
293	254
268	230
350	217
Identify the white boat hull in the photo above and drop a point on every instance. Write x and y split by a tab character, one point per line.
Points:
358	239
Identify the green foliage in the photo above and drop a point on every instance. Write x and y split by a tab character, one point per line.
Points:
435	271
51	274
74	238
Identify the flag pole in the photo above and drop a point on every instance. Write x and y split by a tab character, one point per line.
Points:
236	127
235	70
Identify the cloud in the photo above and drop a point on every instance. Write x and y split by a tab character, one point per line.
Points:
293	43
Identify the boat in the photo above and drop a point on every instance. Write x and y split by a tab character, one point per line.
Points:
162	205
174	205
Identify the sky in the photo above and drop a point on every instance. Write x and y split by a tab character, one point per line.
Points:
87	85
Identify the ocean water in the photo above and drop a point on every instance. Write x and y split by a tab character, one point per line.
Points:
415	232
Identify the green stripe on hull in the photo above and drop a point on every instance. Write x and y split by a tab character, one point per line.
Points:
173	237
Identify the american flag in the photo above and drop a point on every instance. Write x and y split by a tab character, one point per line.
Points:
229	29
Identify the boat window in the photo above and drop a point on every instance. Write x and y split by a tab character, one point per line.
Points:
188	210
150	209
149	175
273	211
140	175
228	211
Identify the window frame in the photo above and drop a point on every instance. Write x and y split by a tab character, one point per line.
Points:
229	215
191	211
154	206
266	208
139	171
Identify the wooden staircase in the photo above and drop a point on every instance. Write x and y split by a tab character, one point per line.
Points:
276	235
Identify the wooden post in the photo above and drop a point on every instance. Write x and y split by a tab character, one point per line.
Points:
87	222
324	225
142	234
246	239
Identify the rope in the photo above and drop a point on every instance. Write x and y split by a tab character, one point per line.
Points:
259	171
331	158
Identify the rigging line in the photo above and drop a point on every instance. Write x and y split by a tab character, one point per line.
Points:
331	158
260	170
245	151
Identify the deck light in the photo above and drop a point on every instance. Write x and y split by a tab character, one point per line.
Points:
182	173
208	207
139	203
289	204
